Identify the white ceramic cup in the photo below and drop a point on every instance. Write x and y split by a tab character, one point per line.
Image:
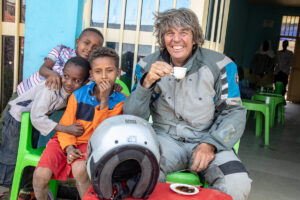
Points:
179	72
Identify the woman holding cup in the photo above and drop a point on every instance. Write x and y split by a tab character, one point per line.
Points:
197	115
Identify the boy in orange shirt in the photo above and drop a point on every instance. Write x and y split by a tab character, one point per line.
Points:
65	155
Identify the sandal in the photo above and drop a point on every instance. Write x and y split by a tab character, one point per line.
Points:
23	195
4	195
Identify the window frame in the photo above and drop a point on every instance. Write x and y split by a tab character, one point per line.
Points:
138	37
16	29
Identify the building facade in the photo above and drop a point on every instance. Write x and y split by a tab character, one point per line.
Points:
127	26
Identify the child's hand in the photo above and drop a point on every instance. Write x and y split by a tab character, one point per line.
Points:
72	154
105	90
53	81
117	87
75	129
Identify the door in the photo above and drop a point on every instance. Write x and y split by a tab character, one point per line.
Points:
293	93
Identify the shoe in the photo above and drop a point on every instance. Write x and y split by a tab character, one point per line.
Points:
23	195
5	196
50	195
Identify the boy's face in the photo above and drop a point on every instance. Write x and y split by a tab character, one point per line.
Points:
73	77
87	43
104	68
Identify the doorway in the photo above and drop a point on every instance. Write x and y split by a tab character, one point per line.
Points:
290	32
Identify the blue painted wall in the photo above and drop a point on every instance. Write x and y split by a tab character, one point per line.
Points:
246	32
49	23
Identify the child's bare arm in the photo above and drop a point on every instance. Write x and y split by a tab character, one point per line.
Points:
53	78
75	129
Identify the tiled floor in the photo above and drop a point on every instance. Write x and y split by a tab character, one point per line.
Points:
275	171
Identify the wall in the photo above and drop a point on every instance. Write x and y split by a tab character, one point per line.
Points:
236	30
49	23
246	32
256	33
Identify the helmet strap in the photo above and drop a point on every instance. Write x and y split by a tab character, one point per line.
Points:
123	192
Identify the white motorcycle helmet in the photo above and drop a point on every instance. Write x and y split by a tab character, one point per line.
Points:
123	158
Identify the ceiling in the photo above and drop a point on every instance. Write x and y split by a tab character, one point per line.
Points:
289	3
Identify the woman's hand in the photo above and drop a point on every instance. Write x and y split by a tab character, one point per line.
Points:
158	69
203	155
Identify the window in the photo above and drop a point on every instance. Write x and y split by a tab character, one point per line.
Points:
7	74
183	4
131	14
127	60
289	26
12	51
289	30
22	11
143	51
113	45
124	35
8	10
147	16
114	14
215	22
21	59
165	5
97	17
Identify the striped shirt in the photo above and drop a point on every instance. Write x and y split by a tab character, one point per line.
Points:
60	55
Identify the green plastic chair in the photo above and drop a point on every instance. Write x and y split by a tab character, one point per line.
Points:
281	113
279	87
276	101
27	156
124	86
127	81
279	102
259	108
191	178
184	177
